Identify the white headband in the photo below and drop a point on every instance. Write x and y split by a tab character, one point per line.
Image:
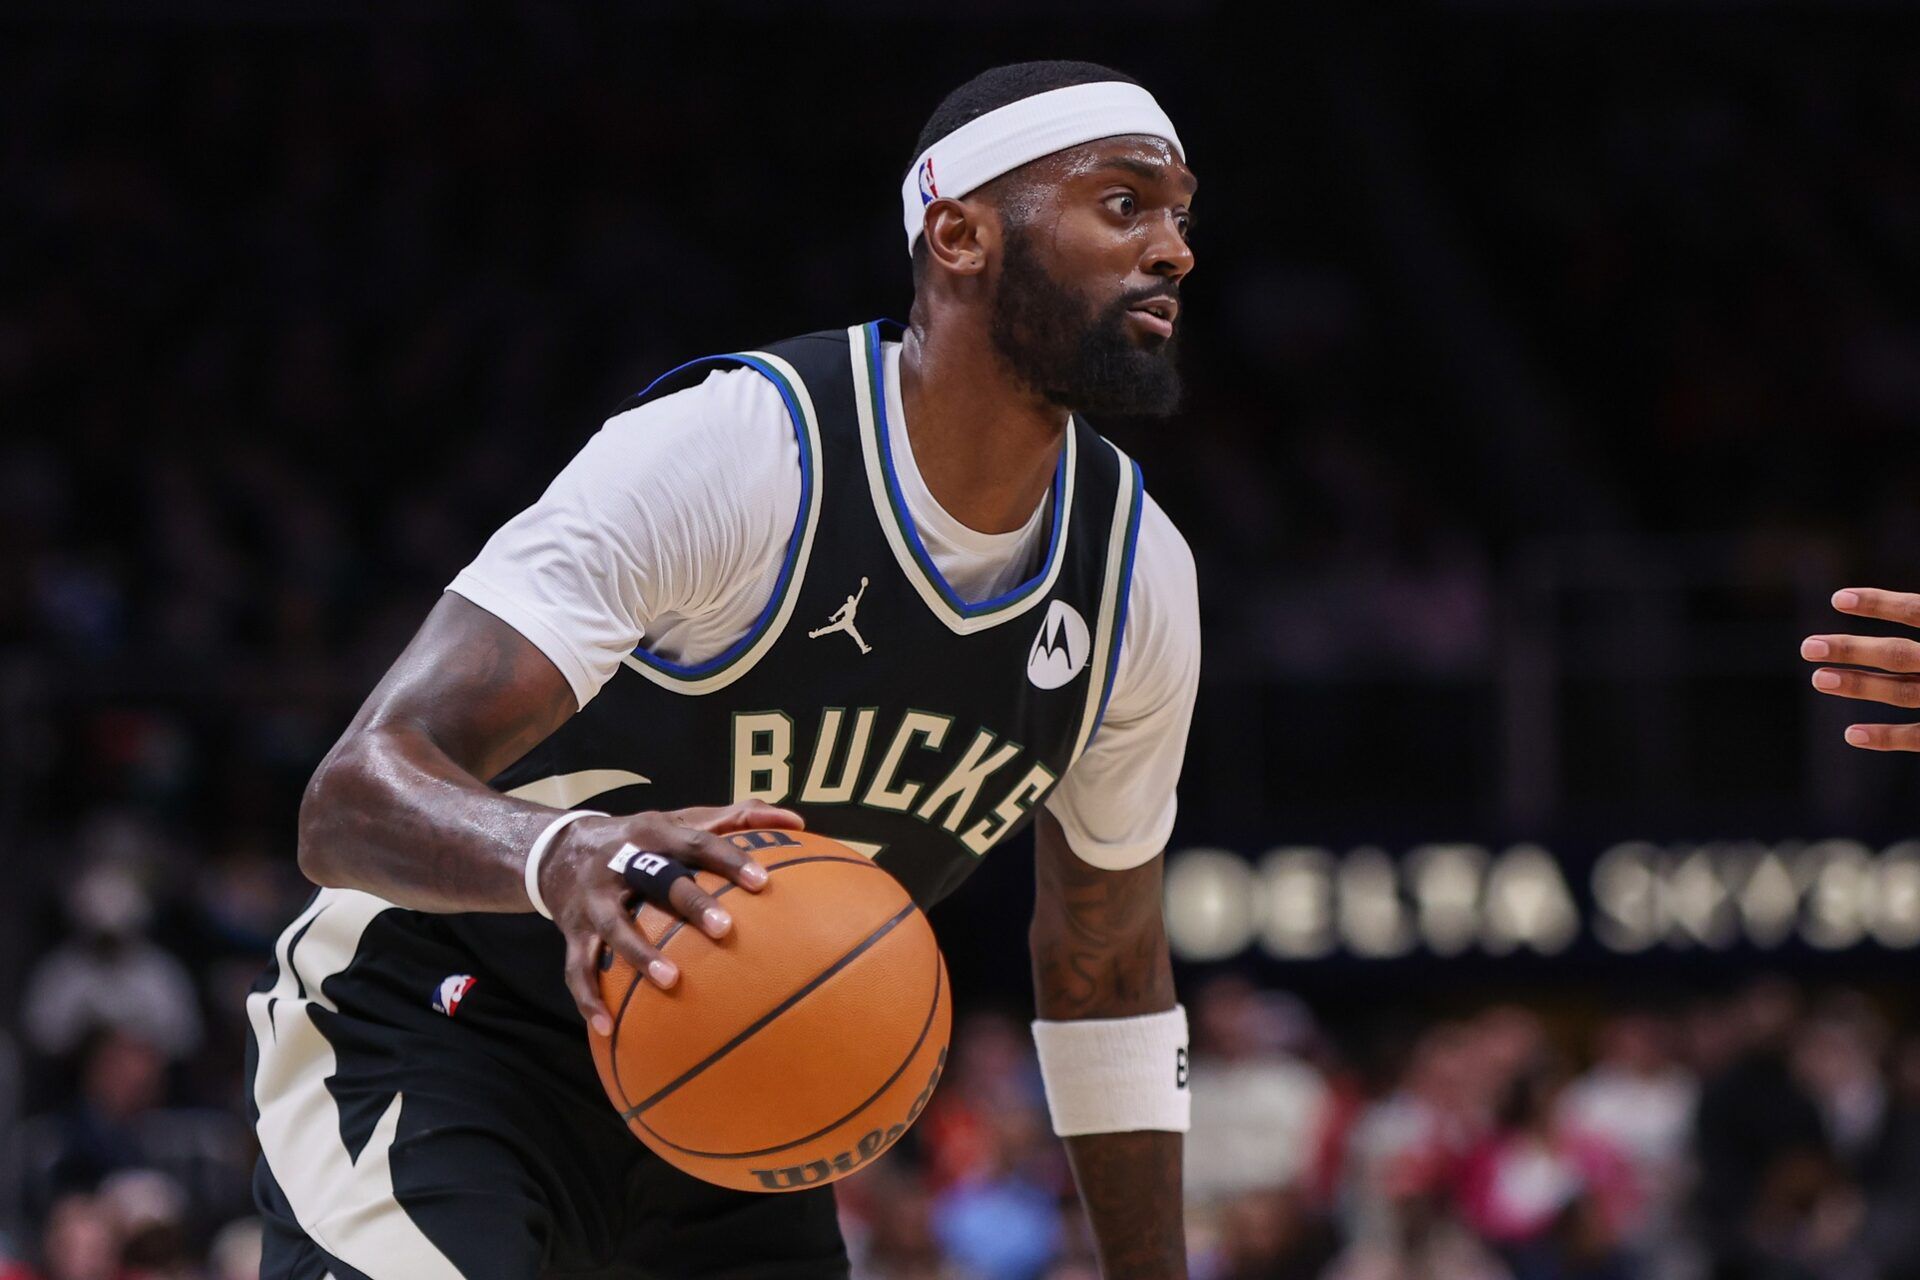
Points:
1021	132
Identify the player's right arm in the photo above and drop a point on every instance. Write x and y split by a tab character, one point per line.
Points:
400	809
680	508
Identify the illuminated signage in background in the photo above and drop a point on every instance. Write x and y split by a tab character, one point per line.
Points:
1306	902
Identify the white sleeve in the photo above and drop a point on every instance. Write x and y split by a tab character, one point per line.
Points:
1116	803
675	508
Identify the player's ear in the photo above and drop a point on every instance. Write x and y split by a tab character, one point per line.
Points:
959	235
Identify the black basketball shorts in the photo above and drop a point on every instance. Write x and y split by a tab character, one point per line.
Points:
416	1125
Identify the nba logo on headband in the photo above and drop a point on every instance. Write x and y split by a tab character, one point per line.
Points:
928	192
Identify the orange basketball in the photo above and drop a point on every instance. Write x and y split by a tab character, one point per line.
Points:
795	1049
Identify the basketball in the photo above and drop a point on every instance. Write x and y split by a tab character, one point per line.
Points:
798	1047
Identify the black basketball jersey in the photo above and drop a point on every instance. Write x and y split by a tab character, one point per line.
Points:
919	728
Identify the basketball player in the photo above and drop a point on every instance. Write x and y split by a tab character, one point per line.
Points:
673	624
1891	665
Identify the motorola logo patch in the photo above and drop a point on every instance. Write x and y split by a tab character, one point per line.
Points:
1061	649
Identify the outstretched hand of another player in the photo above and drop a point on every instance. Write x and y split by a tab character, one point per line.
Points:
1893	665
591	902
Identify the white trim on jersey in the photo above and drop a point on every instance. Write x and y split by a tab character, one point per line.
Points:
958	623
784	610
1112	598
345	1204
582	571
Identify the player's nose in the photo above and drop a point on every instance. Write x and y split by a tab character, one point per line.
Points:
1168	255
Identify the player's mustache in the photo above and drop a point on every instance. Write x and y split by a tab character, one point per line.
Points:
1171	291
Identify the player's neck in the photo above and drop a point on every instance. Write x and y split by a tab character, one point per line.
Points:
985	447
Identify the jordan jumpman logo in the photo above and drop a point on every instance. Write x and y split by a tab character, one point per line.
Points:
842	620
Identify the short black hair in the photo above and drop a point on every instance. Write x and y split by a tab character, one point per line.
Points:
995	88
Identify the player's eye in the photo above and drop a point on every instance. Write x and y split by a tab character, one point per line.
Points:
1185	223
1123	203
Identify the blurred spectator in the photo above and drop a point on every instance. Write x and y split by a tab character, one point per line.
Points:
82	1241
108	974
1892	1229
1258	1110
1836	1060
991	1070
1002	1220
1501	1043
1761	1146
1414	1138
886	1214
241	898
1807	1221
235	1251
1416	1236
1641	1098
152	1214
122	1082
192	1163
1268	1234
1555	1200
132	1228
997	1174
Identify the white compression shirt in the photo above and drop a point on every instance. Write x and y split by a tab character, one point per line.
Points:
669	527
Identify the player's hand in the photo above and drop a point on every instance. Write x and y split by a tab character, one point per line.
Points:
1894	677
590	900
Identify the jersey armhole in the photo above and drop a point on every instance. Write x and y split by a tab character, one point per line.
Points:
1124	539
740	657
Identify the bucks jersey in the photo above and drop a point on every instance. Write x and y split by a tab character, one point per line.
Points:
918	727
422	1094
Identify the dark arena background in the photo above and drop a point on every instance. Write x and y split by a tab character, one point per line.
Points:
1550	365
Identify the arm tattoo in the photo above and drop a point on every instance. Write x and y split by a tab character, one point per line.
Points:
1099	941
1100	951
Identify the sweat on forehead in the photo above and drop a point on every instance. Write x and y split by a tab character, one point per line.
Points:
1149	158
1021	132
1021	193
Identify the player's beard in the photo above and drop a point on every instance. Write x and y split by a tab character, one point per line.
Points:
1080	357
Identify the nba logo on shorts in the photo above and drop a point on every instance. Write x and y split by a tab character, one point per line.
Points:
927	190
452	990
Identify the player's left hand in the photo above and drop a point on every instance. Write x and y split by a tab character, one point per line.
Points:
1895	675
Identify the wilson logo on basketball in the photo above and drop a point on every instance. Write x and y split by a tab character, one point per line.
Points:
1060	651
871	1145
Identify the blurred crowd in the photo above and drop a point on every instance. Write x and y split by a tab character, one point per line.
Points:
1768	1133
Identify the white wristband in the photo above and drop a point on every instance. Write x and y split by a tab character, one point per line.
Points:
540	845
1115	1075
